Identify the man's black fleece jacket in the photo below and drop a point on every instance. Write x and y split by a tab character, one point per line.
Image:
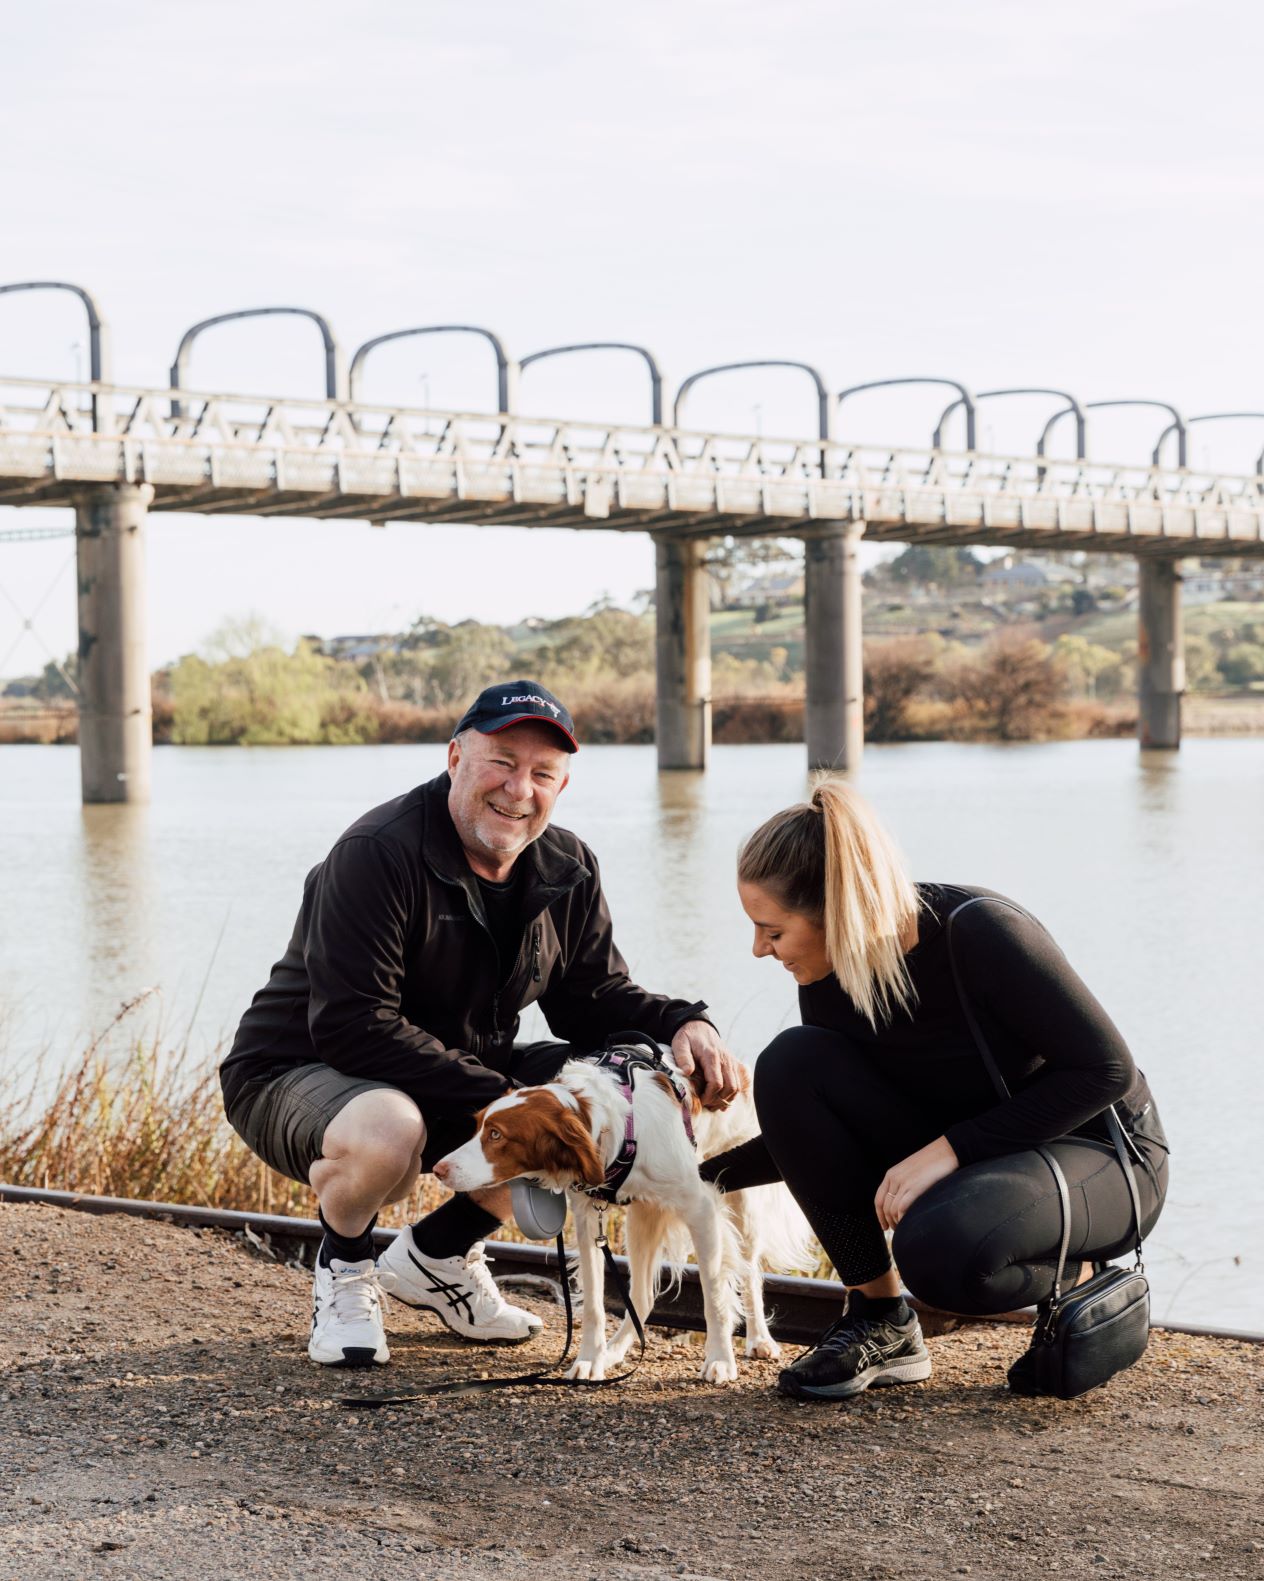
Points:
392	973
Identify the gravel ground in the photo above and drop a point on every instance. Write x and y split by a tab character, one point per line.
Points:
161	1420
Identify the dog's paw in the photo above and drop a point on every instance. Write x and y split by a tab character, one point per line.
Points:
594	1370
766	1349
719	1369
616	1350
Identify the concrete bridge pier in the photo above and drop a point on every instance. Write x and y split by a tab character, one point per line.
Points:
683	653
1160	653
833	655
115	717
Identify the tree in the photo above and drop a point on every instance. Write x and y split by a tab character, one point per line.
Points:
921	563
267	697
894	673
1015	687
1243	663
1090	668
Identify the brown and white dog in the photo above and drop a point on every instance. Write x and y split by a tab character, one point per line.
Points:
567	1135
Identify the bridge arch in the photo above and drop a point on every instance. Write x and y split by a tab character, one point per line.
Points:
824	409
505	369
334	381
963	394
1081	425
1209	417
1177	423
98	330
656	373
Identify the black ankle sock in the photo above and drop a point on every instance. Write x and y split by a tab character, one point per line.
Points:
346	1248
453	1227
886	1309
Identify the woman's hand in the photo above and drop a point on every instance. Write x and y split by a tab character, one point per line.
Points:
904	1182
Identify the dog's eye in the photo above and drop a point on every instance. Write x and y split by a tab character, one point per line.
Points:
493	1134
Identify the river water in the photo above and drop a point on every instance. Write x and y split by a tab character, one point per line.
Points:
1147	868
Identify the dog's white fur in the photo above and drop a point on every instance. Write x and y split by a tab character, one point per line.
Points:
733	1237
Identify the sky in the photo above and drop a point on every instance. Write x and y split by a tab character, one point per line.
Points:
1004	194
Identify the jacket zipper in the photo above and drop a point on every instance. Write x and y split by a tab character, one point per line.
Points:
535	954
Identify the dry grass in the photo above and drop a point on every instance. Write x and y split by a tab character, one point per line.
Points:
130	1119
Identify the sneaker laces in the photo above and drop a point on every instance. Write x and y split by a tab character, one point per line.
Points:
356	1296
480	1276
844	1331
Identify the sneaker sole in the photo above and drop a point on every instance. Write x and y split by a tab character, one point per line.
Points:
482	1339
352	1356
916	1369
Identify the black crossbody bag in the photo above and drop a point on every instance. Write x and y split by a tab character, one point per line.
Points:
1096	1329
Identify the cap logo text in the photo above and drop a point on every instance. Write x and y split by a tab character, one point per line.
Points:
530	697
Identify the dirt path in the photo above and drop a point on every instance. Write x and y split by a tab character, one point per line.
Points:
160	1420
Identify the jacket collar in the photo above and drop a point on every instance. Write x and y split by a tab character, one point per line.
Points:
550	872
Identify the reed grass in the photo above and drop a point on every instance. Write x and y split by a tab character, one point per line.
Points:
130	1118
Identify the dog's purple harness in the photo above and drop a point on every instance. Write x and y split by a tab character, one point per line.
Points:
634	1051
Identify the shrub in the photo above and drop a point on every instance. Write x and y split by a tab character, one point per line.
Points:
895	672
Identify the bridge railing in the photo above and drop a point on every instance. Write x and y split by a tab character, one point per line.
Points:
213	435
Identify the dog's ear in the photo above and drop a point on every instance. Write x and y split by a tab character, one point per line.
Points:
572	1151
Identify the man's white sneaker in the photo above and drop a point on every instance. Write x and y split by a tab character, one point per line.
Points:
459	1290
347	1315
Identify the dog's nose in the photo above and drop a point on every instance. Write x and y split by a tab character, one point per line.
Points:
441	1169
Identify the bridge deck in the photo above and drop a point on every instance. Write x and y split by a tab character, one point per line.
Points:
243	455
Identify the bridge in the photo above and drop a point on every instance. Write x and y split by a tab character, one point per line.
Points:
113	453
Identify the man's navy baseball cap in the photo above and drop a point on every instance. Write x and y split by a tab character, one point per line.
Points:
512	703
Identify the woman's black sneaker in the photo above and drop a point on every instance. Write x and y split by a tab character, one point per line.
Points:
860	1349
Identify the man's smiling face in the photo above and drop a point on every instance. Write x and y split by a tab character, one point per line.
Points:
503	790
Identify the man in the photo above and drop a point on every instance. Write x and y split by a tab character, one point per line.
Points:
390	1020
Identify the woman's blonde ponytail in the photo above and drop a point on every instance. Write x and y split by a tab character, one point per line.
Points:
831	860
869	903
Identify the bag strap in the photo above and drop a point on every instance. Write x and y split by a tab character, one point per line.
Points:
1064	1205
1118	1136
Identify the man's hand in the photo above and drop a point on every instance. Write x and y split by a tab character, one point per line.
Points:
904	1182
698	1048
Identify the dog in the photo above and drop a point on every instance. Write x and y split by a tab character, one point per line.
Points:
570	1135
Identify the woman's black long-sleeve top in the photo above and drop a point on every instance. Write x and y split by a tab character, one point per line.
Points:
1062	1057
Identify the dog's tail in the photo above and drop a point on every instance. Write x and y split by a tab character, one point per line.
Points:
776	1231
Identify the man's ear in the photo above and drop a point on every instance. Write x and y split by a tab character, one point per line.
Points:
572	1152
454	754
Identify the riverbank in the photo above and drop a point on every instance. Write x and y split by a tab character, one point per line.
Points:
755	720
162	1421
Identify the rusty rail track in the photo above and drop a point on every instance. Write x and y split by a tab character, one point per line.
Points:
798	1308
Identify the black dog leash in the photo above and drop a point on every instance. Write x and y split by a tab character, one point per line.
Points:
377	1400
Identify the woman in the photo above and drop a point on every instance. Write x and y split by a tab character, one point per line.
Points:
879	1113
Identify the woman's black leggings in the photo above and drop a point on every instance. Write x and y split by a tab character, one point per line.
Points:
984	1239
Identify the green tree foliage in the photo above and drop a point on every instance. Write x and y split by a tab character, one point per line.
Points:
921	563
610	642
1242	663
1091	670
264	696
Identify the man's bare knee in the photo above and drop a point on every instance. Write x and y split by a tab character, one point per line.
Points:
382	1130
